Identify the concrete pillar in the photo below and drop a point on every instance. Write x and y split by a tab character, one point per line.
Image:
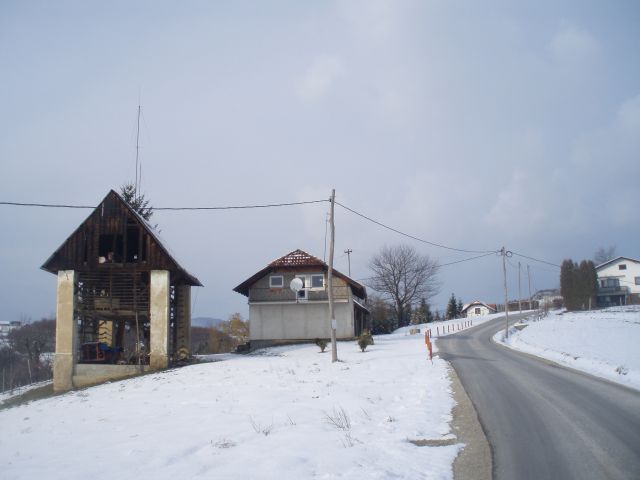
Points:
183	317
66	332
159	310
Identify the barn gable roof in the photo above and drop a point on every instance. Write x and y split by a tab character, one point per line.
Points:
60	260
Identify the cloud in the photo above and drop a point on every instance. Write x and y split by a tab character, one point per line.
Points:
573	43
319	77
519	204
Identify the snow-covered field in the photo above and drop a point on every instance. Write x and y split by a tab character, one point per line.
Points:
604	343
287	413
20	390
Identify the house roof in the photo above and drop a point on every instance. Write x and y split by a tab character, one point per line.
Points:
614	260
298	260
478	302
50	264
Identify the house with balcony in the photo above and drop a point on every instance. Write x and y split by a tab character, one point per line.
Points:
619	282
279	314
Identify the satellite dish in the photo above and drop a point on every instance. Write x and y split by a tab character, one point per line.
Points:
296	284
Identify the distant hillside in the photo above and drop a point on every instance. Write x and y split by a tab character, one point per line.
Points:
206	322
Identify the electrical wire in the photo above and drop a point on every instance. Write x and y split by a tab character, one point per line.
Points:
228	207
48	205
536	259
441	265
411	236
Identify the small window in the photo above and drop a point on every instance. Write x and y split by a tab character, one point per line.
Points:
110	248
637	280
622	267
317	282
477	311
276	281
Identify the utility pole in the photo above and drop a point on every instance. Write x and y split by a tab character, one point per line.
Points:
326	223
348	252
530	299
138	179
519	293
334	347
505	253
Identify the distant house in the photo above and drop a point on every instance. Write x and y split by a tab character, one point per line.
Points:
619	282
6	327
279	315
478	308
117	281
548	298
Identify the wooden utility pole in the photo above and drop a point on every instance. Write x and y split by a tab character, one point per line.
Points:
530	299
504	254
332	316
348	251
519	292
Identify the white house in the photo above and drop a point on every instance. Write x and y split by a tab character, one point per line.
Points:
477	309
6	327
548	298
619	282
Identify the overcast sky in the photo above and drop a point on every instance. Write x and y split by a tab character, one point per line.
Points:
469	124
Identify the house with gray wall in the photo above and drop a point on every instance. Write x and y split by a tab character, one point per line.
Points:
280	315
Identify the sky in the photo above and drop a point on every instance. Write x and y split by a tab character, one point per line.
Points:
474	125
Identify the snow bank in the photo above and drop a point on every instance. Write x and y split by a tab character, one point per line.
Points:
285	413
603	343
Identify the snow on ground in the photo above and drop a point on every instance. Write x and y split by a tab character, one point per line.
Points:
9	394
285	413
603	343
449	327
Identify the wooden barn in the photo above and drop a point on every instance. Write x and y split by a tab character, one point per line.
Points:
123	301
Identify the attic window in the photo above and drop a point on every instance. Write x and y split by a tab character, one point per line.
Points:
136	245
276	281
622	267
110	248
477	310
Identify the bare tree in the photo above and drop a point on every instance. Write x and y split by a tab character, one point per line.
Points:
404	277
603	255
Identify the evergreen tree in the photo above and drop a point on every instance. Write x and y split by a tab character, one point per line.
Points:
459	308
136	200
587	280
452	307
578	284
567	284
428	316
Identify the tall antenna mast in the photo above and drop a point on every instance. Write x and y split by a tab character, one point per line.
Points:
138	177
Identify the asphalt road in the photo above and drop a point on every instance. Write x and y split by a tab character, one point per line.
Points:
544	421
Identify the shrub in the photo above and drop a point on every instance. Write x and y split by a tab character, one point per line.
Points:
322	343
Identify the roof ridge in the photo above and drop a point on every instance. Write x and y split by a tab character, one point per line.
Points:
295	258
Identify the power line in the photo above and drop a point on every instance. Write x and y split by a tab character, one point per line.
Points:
47	205
413	237
467	259
536	259
228	207
440	265
240	207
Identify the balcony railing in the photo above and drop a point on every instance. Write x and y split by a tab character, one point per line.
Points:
618	290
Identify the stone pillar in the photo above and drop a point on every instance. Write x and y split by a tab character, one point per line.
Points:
183	317
159	310
66	333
